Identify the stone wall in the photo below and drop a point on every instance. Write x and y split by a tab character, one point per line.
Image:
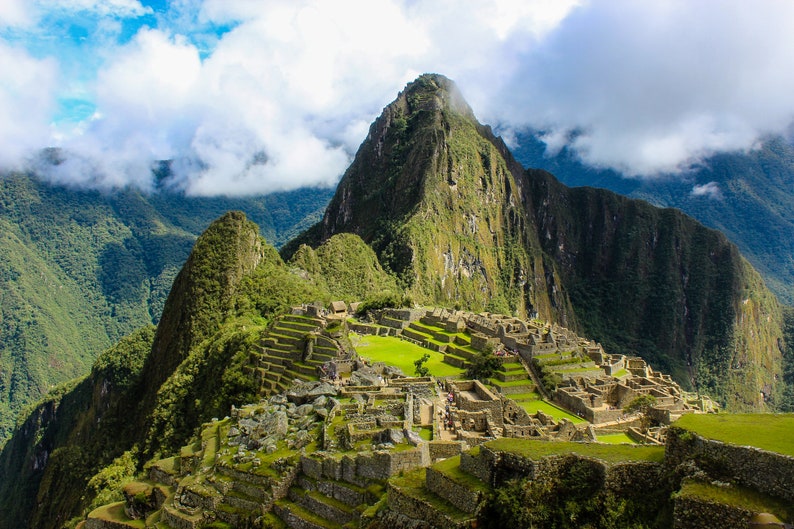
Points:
402	502
764	471
694	513
477	464
443	449
361	468
174	519
480	341
463	498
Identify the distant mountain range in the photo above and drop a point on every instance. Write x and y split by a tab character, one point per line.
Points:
80	269
749	196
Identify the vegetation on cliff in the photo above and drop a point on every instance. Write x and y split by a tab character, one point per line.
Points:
149	394
80	269
746	195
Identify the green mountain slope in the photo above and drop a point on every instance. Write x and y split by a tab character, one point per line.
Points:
80	269
448	210
148	394
752	199
659	283
438	197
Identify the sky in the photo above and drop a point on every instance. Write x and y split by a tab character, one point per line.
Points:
250	96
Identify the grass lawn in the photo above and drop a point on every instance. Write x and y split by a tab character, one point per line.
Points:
534	449
425	432
533	406
615	438
402	354
768	431
451	468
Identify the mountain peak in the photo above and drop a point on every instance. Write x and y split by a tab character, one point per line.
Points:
434	92
439	199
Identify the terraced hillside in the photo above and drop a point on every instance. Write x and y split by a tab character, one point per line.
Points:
293	349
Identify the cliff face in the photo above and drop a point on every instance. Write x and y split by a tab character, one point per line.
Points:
657	282
446	208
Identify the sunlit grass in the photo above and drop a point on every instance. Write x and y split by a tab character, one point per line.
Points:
402	354
611	453
771	432
533	406
615	438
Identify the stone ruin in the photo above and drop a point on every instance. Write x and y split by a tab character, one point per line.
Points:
479	415
595	385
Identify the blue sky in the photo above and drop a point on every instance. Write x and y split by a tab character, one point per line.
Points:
650	87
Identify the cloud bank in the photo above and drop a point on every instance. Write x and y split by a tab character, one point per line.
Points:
248	96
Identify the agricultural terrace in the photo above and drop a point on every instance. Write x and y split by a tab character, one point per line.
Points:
401	354
533	449
737	496
771	432
615	438
533	406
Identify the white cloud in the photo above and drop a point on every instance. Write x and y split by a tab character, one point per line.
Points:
15	13
710	190
286	91
26	101
114	8
653	86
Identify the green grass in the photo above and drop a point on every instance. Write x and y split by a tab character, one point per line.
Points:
451	468
532	395
402	354
426	433
114	512
615	438
771	432
513	383
534	449
621	373
532	407
738	497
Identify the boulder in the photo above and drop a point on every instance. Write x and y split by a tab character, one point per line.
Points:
413	437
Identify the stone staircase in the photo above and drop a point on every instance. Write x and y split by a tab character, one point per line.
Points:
279	358
317	503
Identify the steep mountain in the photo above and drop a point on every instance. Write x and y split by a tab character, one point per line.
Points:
746	195
658	282
79	269
148	394
446	208
439	199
